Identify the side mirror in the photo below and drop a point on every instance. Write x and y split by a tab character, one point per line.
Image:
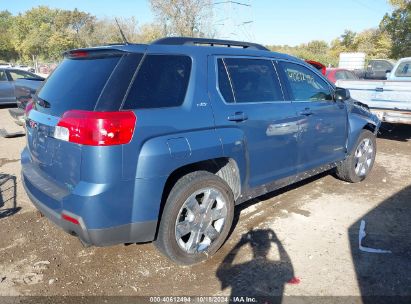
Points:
387	74
342	94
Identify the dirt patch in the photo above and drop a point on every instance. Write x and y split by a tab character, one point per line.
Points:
297	241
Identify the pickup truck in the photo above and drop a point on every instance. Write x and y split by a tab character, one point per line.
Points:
389	99
401	70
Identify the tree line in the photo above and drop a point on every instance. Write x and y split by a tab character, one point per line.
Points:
391	39
43	33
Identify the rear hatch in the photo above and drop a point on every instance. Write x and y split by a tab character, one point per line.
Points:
93	80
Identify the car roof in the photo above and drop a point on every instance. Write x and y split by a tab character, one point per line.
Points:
190	45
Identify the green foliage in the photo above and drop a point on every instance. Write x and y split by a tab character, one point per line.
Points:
348	39
7	51
43	33
398	27
315	50
184	17
399	3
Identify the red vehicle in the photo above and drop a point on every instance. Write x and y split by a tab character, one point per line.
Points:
334	74
318	65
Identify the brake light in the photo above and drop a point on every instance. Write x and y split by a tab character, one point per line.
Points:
28	108
96	128
78	54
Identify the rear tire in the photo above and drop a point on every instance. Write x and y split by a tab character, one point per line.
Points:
359	163
197	218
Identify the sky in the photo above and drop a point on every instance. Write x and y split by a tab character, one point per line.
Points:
273	22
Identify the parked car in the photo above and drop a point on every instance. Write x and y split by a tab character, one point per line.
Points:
401	71
135	143
318	65
377	69
17	85
390	100
25	68
5	65
16	88
334	74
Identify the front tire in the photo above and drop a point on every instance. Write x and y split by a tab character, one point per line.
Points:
197	218
359	163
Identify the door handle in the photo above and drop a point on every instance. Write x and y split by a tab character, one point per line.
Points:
379	89
306	112
238	116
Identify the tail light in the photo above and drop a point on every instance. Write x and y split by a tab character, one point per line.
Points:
28	108
96	128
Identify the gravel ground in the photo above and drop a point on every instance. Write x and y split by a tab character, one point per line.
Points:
302	240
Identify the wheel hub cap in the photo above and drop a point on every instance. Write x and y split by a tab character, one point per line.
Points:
364	155
200	220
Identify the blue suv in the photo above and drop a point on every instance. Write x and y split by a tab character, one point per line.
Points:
136	143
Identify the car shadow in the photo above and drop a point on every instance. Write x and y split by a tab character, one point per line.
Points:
240	208
258	274
387	227
396	132
8	195
8	106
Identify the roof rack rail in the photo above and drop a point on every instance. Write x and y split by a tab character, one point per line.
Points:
209	42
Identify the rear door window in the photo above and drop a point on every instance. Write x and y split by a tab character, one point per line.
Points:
304	84
253	80
3	76
224	84
161	81
76	84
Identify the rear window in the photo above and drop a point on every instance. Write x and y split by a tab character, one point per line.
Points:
76	84
404	69
161	81
380	65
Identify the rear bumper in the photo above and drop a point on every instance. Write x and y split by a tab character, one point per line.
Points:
142	231
393	116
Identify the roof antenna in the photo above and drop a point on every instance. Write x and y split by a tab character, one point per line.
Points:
121	33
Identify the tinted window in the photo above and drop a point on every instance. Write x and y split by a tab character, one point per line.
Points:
351	76
161	82
116	87
224	82
404	69
22	75
339	75
3	76
76	84
381	65
305	84
253	80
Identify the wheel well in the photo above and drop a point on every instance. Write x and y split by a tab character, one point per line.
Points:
370	127
226	168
